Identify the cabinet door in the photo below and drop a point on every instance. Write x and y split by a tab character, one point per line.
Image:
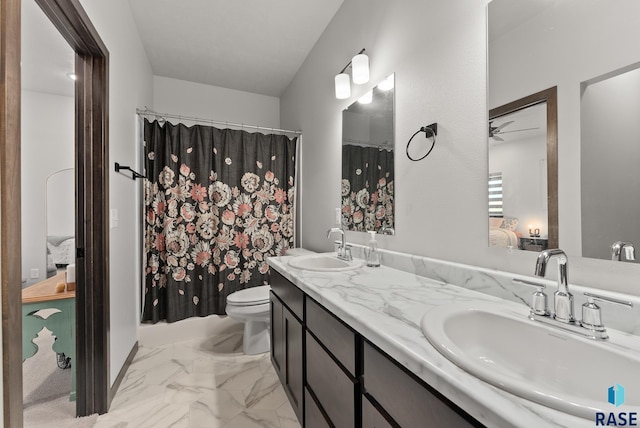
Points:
313	417
277	337
293	383
334	389
371	417
409	402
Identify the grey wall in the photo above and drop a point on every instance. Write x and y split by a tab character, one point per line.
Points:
439	53
174	96
130	87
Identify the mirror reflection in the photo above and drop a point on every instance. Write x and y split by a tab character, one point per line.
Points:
60	220
518	179
536	45
368	161
610	177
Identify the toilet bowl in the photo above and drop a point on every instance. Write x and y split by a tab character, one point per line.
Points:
251	306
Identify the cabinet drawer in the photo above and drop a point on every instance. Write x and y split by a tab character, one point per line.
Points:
334	390
290	295
333	334
409	402
371	417
313	417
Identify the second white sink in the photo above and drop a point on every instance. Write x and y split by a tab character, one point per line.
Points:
324	263
496	343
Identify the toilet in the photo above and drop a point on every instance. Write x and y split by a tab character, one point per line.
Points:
251	306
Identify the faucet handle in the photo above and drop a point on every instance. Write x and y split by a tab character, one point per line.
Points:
538	298
591	315
347	252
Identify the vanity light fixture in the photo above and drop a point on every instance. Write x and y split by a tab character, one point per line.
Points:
72	76
360	69
386	84
360	65
366	98
343	86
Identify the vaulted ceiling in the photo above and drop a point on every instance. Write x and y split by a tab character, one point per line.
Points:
249	45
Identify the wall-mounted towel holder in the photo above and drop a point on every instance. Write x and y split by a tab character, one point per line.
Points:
430	132
134	174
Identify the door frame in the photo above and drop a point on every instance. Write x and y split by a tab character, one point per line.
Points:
92	206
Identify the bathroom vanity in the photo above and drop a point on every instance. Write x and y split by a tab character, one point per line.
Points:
350	352
348	379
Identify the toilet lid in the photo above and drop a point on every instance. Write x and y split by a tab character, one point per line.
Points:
250	296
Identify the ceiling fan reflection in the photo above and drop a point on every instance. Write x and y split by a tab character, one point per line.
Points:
495	131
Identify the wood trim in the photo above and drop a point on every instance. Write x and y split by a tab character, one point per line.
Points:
550	96
10	220
92	205
92	235
74	25
123	371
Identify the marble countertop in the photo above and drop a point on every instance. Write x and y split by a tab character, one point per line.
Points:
385	305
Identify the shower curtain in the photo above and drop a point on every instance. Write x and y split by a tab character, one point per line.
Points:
367	188
218	202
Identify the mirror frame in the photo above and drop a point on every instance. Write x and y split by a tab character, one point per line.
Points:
550	96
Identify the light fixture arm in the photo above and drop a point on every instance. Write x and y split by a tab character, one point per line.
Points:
349	64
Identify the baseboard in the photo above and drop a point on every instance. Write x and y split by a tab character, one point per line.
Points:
123	371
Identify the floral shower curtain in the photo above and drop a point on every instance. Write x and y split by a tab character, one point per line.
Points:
218	202
367	188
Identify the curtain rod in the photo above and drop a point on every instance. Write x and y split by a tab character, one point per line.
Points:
147	112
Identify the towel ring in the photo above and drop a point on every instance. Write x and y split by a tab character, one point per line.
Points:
429	129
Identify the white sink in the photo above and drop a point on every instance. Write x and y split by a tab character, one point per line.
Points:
500	345
324	263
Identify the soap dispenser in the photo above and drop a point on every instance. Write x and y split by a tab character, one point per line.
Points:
373	257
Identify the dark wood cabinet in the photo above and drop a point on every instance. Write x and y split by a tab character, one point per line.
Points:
334	378
293	366
406	399
287	344
277	336
313	416
335	391
372	418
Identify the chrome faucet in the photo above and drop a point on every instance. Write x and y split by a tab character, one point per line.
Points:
591	324
618	246
386	230
344	250
562	298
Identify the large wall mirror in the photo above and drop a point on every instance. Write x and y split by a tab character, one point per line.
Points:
368	190
554	43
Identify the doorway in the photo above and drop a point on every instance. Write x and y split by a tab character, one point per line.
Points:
91	208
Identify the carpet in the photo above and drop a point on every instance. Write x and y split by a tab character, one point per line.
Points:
46	390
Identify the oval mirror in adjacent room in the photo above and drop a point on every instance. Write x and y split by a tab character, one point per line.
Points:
61	220
368	185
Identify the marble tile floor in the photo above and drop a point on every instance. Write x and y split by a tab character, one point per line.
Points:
200	384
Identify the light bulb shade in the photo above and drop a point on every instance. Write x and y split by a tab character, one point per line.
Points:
366	98
343	86
386	84
360	66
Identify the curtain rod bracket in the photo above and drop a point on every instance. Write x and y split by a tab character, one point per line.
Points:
134	174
